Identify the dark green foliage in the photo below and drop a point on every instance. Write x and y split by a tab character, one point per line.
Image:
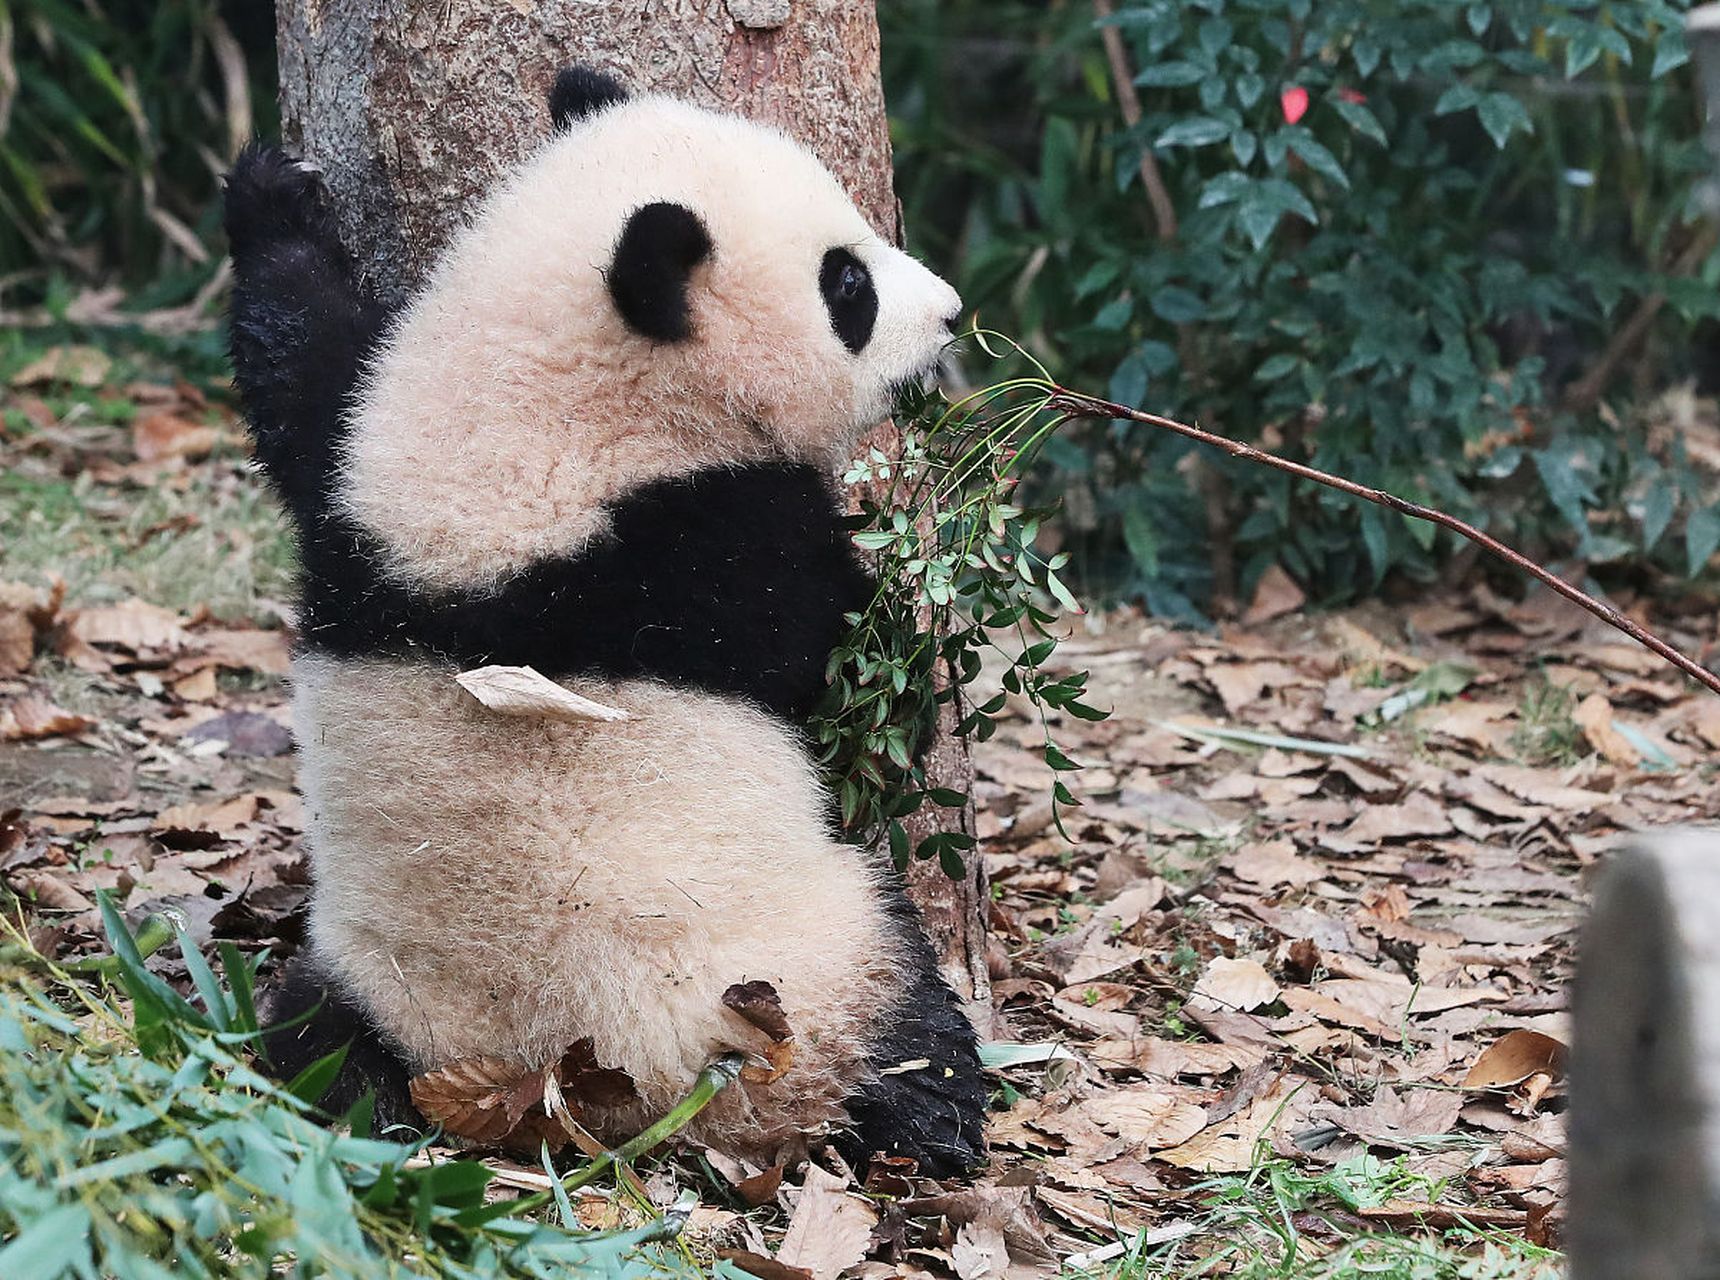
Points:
1398	285
116	117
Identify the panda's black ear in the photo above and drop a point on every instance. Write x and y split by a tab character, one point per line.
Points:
580	91
658	249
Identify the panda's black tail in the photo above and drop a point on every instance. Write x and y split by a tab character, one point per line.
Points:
312	1018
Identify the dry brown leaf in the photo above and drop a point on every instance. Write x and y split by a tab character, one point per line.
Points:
17	641
1273	862
49	891
765	1268
1229	1147
482	1099
199	686
1390	903
1403	1214
759	1003
829	1230
1240	683
1105	1214
161	435
1327	1009
1241	984
1594	716
81	366
760	1188
1417	814
522	691
1104	996
1149	1117
1705	719
1541	787
1365	649
1276	595
1475	722
133	625
979	1251
1397	1119
225	817
1093	1021
493	1100
241	649
1010	1209
31	716
1513	1058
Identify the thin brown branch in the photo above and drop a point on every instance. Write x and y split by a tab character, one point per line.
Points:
1075	404
1123	78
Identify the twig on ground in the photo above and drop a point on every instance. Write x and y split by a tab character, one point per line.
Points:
1076	404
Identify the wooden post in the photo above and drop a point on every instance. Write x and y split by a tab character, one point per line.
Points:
412	109
1645	1073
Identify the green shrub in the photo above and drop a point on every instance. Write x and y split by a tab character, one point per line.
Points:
116	118
1403	229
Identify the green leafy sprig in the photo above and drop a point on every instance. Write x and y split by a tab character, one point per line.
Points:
958	576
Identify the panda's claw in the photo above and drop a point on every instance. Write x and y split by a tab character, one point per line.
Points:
273	196
931	1109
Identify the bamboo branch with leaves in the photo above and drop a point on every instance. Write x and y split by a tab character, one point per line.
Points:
959	580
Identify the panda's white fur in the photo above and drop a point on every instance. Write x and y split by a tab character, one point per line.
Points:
510	402
550	869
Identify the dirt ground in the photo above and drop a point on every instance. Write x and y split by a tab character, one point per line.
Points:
1310	942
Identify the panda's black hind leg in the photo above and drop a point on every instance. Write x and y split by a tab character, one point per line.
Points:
321	1019
934	1112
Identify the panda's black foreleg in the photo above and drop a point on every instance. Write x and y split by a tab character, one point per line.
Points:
928	1097
300	327
320	1018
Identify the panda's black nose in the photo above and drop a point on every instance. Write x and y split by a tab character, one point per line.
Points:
953	319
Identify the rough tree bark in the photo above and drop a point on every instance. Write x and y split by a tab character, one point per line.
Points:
1644	1145
412	109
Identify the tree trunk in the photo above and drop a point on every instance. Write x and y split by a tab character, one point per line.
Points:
412	110
1644	1141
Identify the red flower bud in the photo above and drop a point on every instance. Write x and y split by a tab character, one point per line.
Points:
1294	101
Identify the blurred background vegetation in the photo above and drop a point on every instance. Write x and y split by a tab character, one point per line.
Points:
1457	250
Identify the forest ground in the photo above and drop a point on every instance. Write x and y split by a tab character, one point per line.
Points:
1305	960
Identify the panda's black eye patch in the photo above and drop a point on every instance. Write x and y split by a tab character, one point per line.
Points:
850	297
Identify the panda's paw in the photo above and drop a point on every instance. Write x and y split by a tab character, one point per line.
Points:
271	196
933	1113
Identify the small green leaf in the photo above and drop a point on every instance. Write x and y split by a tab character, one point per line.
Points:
1170	75
315	1080
1502	115
1701	537
1196	131
1057	760
1361	119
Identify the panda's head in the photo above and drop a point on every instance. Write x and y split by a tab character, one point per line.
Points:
659	288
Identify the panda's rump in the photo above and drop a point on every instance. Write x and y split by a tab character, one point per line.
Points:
505	886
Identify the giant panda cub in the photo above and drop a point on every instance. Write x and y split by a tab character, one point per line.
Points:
597	442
